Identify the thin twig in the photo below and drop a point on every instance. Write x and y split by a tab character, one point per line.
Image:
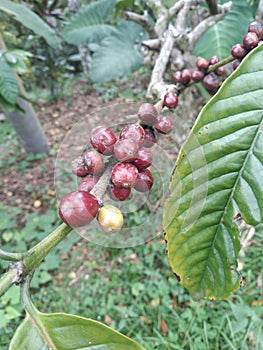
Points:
143	20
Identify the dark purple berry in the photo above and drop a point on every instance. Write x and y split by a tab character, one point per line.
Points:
103	139
236	64
126	150
250	40
239	51
87	183
117	193
186	76
214	60
93	162
164	125
134	132
150	138
147	113
78	167
144	181
256	27
211	82
197	75
124	175
144	159
78	208
220	70
170	100
202	63
177	77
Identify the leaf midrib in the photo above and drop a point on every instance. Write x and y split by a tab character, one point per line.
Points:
231	196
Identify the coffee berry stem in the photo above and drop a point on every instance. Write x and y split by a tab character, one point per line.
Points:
220	63
100	188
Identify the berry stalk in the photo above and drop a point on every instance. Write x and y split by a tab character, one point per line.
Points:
220	63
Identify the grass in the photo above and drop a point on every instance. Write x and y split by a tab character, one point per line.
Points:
134	291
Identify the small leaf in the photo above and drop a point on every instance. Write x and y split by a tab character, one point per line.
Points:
217	178
226	32
119	54
30	20
88	25
68	332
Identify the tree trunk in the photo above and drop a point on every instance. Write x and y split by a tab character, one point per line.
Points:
27	126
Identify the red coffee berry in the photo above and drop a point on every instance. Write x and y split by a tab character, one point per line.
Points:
126	150
164	125
202	63
87	183
78	208
93	162
103	139
197	75
144	159
150	138
117	193
250	40
170	100
256	27
214	60
134	132
144	181
186	76
124	175
239	51
177	76
78	167
147	113
211	82
110	219
220	70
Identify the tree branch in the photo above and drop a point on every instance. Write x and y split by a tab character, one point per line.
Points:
161	62
10	256
173	10
143	20
13	275
202	27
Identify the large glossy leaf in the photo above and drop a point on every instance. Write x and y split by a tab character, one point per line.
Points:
118	54
30	20
88	25
218	178
8	83
68	332
227	32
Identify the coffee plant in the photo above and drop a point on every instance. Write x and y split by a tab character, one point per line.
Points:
217	182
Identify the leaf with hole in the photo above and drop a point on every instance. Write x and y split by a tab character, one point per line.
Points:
218	178
68	332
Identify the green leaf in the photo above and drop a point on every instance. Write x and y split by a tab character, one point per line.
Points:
8	83
218	178
68	332
30	20
118	54
226	32
88	25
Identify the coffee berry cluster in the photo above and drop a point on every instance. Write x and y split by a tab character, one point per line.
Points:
210	77
129	158
250	41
